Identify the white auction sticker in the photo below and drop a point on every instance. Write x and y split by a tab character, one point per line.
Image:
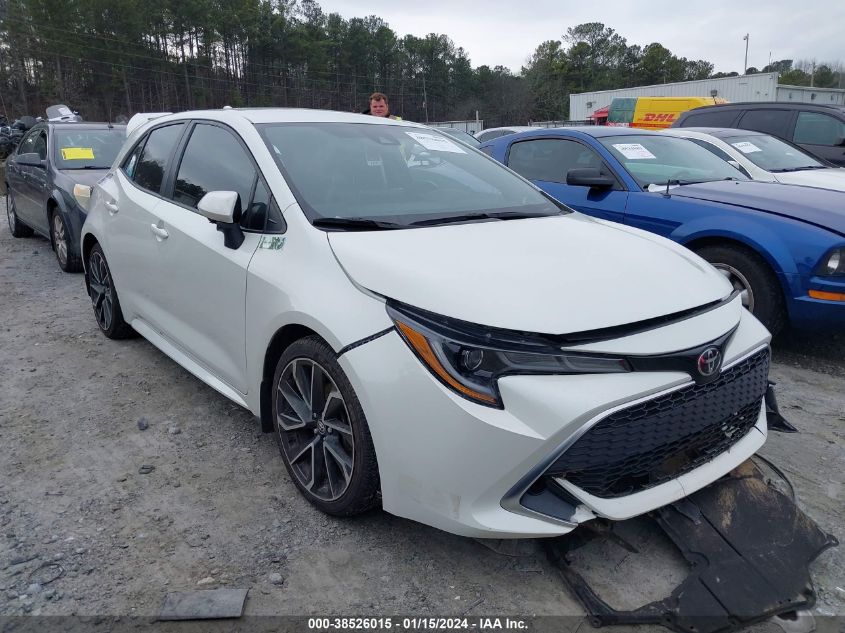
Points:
437	143
634	151
746	148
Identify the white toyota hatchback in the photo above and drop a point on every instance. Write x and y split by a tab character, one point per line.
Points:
420	327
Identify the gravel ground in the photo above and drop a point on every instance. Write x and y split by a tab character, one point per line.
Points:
122	478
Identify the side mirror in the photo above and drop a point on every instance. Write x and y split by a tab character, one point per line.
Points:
220	207
31	159
589	177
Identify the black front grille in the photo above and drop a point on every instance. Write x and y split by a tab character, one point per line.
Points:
657	440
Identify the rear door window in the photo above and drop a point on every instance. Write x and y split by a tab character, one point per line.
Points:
815	128
151	166
775	122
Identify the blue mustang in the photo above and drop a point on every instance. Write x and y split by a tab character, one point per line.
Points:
782	246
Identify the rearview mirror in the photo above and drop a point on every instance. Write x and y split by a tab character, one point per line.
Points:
221	207
589	177
31	159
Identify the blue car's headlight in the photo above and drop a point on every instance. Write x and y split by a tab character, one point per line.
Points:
833	263
469	359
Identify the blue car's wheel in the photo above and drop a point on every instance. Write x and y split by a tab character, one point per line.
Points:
752	277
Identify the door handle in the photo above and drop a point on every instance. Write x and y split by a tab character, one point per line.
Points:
159	232
111	206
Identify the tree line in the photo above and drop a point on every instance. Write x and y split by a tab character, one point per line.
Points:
106	58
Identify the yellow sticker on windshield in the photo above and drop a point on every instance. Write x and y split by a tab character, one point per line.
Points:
77	153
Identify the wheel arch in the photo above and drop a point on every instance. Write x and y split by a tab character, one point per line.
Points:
279	342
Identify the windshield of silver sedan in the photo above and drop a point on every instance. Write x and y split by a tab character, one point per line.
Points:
352	176
772	154
658	160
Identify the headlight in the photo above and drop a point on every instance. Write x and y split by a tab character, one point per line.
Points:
833	263
82	193
469	359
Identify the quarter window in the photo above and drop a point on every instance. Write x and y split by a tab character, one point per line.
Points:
27	145
215	161
149	172
814	128
773	122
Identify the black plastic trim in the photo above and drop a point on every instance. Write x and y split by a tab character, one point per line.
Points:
364	341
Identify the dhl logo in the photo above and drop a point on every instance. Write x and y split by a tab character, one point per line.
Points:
658	118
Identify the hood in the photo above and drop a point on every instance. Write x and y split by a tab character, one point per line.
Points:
552	275
822	207
830	178
86	176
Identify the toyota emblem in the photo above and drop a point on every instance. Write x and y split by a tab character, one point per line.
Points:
709	362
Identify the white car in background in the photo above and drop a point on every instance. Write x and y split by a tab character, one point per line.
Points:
447	342
764	157
495	132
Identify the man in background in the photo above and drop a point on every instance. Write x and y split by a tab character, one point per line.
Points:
380	107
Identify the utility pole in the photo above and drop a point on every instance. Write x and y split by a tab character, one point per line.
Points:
425	99
745	66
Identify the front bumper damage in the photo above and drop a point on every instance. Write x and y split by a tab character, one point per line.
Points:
747	544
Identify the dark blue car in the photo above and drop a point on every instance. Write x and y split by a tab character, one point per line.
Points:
51	162
782	246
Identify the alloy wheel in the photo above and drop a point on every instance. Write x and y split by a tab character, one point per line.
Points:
101	290
315	429
60	239
739	282
10	212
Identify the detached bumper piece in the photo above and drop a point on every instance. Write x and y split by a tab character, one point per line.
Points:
749	548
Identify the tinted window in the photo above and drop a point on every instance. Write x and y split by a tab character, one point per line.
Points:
717	117
131	161
149	171
255	215
550	159
393	172
213	161
773	154
770	121
79	148
40	145
27	145
815	128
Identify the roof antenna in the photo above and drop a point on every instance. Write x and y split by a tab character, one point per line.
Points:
670	182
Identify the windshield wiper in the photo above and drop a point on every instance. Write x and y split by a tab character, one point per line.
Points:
804	168
87	167
471	217
357	224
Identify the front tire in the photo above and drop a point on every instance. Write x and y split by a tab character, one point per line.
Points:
752	277
104	297
17	228
68	260
322	432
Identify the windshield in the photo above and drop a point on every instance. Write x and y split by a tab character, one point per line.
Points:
467	138
393	173
88	149
656	160
772	154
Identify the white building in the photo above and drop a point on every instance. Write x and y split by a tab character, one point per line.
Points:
758	87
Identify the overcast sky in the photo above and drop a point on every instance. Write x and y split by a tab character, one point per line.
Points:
506	32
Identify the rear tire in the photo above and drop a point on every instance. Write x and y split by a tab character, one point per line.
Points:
68	260
16	227
751	275
322	432
104	297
